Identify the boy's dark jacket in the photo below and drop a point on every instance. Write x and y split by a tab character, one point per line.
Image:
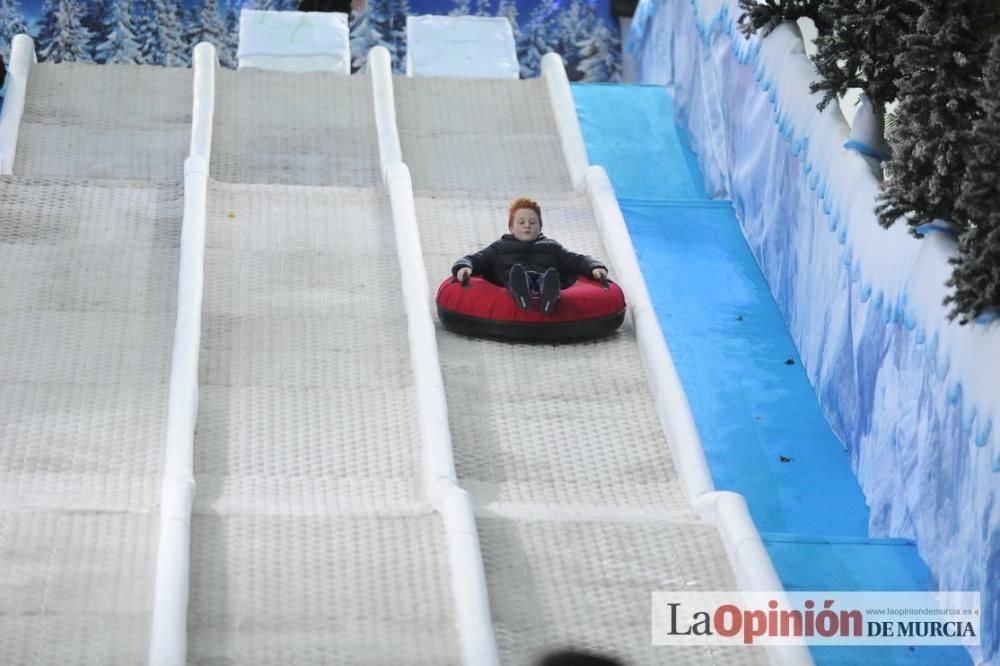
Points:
496	259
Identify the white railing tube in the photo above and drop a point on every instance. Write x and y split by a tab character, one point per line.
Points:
22	57
567	124
671	401
469	591
168	637
380	70
727	511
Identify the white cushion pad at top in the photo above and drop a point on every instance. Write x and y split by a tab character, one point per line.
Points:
294	41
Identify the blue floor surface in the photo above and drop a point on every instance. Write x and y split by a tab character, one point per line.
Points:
763	432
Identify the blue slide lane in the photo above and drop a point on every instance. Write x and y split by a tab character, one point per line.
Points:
763	432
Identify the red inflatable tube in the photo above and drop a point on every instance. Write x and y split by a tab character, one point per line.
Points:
482	309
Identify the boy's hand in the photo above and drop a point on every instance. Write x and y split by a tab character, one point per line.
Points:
600	274
463	274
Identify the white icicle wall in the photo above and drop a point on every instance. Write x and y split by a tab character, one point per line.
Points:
912	396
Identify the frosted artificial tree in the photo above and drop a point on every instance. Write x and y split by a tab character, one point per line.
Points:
940	75
976	277
858	50
768	15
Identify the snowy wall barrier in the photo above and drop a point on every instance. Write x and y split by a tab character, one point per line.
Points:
22	57
168	641
911	395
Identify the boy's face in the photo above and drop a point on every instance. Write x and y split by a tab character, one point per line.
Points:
526	225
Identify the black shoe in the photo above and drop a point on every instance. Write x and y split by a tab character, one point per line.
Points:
549	290
520	288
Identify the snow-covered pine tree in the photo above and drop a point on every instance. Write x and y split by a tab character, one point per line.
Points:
190	30
576	24
482	8
94	19
401	8
860	48
212	28
11	23
232	22
976	277
600	56
145	31
508	10
62	36
535	39
940	68
362	38
117	41
461	8
768	15
163	41
386	26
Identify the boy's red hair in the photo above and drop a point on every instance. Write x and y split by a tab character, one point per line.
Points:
523	202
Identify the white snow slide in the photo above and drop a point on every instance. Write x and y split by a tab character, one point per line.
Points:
312	539
88	274
370	489
580	506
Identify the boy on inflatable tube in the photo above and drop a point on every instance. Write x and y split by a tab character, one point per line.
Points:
525	261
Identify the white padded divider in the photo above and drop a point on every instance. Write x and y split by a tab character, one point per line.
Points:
380	69
454	504
22	57
671	402
168	641
567	124
728	511
289	41
468	47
